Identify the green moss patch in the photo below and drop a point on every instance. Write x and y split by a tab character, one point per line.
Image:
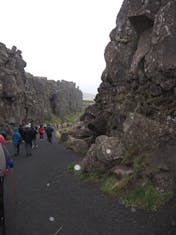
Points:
147	197
51	118
113	186
138	165
71	117
129	154
110	185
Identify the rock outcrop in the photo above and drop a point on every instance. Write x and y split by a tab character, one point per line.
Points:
134	113
25	97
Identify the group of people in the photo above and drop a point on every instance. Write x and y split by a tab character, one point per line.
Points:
28	135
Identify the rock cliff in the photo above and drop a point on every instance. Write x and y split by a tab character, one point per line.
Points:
25	97
135	109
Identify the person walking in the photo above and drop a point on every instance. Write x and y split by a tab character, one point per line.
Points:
49	131
41	131
4	163
2	174
20	129
34	142
2	157
28	136
16	140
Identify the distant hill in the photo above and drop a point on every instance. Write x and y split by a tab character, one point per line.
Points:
88	96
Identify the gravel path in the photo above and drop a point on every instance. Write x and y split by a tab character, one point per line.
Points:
42	198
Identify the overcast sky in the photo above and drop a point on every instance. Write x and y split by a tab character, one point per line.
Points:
61	39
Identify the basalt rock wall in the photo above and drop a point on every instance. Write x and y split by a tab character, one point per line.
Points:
26	98
135	109
140	73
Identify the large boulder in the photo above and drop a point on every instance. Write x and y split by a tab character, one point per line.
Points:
90	162
108	148
104	154
77	145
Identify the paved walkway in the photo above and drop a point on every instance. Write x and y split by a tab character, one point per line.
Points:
42	198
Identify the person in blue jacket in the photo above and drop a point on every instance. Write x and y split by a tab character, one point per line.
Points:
16	140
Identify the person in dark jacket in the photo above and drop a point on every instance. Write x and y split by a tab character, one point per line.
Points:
49	131
20	129
34	142
28	136
16	140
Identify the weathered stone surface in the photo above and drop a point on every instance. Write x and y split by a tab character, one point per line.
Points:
145	133
164	182
82	132
26	98
136	101
163	167
64	137
108	148
140	71
122	171
90	162
104	154
78	145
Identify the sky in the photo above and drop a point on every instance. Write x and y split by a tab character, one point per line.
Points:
61	39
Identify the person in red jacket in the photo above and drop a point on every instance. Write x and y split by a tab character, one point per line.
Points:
5	158
41	131
5	162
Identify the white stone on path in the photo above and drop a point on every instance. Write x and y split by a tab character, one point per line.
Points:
77	167
51	219
108	151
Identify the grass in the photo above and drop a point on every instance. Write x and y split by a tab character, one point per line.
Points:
147	197
110	186
130	152
70	168
57	134
50	117
138	165
114	186
109	183
132	159
96	176
71	117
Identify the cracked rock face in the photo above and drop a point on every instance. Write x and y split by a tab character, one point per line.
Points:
140	73
139	80
26	98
